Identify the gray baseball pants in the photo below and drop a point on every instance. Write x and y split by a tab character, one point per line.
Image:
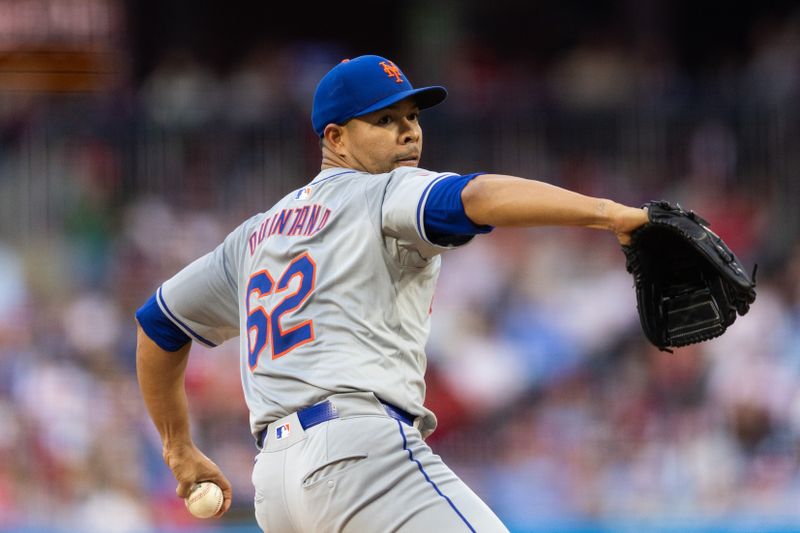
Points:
362	472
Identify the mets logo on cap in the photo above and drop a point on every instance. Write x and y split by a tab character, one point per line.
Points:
392	71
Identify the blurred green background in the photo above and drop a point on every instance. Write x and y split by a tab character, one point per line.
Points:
135	135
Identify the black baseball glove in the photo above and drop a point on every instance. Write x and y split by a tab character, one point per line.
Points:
689	284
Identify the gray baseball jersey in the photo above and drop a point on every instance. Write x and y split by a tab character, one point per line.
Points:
330	292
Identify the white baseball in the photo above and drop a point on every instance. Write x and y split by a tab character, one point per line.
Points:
205	500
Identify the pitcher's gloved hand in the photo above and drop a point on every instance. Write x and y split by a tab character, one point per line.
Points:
689	284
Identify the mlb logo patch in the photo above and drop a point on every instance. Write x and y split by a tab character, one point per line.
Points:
281	432
304	193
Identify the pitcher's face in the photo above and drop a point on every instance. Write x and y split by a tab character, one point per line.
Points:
383	140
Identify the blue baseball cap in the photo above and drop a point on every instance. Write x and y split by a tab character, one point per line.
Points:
362	85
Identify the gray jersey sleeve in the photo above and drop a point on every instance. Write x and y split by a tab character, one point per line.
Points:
403	209
202	298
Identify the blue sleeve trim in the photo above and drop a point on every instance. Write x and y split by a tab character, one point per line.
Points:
445	221
159	328
420	213
181	323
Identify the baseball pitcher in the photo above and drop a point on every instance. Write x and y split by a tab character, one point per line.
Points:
329	292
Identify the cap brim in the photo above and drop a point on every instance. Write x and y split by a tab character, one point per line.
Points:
425	97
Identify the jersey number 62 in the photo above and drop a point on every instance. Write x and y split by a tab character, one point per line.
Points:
261	325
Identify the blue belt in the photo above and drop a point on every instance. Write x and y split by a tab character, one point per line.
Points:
324	411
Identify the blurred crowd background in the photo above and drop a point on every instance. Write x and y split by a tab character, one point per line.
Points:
135	135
